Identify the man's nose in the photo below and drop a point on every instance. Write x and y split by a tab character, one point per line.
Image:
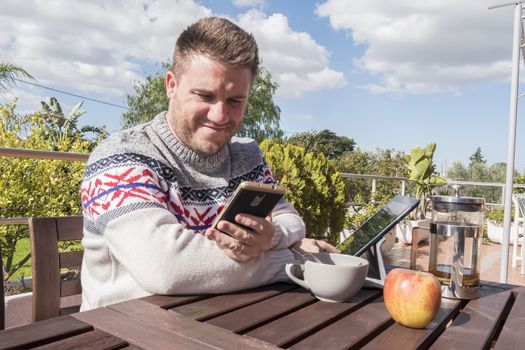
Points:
217	112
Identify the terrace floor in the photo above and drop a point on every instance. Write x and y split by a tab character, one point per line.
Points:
490	261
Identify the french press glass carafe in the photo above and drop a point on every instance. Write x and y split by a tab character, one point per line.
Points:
456	232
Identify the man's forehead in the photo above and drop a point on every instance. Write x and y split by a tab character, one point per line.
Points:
203	60
204	73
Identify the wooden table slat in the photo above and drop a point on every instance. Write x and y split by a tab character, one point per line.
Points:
400	337
91	340
290	328
475	326
169	301
350	331
205	333
240	320
148	336
207	308
512	335
42	332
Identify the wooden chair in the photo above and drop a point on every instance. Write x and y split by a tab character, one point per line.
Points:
50	283
2	300
519	238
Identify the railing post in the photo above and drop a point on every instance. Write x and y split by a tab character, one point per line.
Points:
373	188
403	187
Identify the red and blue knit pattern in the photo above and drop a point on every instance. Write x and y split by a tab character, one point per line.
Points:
122	183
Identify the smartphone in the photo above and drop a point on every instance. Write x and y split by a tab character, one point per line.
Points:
252	198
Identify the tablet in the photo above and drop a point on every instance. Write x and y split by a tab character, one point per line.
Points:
373	229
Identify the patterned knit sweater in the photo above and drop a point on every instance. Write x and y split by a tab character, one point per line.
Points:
147	199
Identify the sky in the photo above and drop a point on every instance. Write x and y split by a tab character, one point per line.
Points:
388	74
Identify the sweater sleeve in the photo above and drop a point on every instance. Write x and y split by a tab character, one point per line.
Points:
289	227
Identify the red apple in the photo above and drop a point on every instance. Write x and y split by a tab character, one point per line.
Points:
411	297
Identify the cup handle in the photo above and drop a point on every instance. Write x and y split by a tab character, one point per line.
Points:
288	269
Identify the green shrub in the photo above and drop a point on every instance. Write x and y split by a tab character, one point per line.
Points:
497	213
32	187
314	187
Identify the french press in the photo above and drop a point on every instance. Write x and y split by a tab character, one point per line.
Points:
456	232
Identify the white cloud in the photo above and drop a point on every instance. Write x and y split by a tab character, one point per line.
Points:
426	47
297	62
249	3
92	46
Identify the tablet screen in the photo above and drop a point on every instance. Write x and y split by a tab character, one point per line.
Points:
371	231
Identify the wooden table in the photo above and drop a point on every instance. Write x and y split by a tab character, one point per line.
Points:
280	316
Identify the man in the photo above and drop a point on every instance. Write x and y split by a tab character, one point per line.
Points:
150	193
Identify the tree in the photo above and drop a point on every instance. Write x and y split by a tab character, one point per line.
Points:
8	74
262	115
458	171
149	100
498	172
325	141
358	190
34	187
477	157
478	171
387	162
60	127
261	119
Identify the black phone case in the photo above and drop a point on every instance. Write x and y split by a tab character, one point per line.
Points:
253	201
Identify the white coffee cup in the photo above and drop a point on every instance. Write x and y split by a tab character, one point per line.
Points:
334	278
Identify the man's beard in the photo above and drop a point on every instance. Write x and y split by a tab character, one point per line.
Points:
186	132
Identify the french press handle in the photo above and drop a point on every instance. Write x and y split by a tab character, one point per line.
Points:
456	188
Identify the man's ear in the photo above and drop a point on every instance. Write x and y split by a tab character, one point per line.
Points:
171	84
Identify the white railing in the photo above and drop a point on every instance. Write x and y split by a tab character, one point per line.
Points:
374	179
403	184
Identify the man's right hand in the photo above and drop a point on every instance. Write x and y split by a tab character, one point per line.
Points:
246	240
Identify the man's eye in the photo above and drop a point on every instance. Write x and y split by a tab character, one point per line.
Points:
204	97
235	101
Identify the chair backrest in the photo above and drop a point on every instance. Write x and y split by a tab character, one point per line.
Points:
50	282
520	201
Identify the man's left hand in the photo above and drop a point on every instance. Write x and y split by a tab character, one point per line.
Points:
310	245
245	240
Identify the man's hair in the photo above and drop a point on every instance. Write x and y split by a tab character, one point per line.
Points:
220	40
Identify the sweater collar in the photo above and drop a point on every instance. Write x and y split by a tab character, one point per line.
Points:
160	125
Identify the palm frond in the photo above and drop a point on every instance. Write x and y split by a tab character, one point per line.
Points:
9	73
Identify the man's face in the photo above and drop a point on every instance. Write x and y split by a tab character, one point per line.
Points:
207	103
